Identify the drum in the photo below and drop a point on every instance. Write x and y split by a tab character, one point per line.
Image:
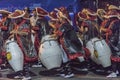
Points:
14	55
50	52
100	52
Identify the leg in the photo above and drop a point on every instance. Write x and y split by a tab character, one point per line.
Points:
114	70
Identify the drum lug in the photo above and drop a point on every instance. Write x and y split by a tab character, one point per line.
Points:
42	46
49	43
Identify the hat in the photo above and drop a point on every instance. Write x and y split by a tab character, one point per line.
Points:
41	12
62	12
113	7
17	14
62	9
89	12
53	15
4	12
26	16
111	14
82	16
101	12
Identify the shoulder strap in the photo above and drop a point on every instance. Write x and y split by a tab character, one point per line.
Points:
17	26
110	26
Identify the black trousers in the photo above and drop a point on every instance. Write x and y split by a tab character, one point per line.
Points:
116	66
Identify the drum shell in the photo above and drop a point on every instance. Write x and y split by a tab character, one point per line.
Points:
16	60
103	51
50	53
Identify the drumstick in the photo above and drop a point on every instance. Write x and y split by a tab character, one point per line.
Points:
18	32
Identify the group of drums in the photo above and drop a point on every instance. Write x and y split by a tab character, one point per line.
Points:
51	52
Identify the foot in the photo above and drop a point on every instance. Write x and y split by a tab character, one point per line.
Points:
37	65
16	75
26	78
3	68
69	75
117	72
112	75
66	73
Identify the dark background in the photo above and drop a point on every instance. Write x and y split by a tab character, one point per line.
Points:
49	5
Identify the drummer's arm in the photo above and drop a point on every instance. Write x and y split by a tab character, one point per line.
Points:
102	29
102	26
81	29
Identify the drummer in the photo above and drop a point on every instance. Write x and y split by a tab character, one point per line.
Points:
39	26
68	39
22	29
38	20
89	27
5	28
110	31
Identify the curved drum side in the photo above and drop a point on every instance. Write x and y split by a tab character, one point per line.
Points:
103	51
90	47
16	60
50	53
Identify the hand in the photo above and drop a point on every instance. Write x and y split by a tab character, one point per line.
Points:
54	36
12	32
33	31
109	31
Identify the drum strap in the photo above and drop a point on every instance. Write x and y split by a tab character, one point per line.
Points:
109	28
18	37
95	24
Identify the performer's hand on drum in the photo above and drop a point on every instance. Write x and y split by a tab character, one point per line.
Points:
12	32
10	37
54	36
